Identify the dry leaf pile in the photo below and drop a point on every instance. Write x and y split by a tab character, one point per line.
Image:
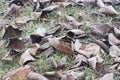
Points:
105	40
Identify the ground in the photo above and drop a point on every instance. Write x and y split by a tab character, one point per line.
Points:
42	64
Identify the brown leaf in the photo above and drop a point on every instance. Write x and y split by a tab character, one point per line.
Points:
100	3
54	29
22	20
113	40
10	31
60	46
15	44
44	46
108	76
87	50
36	76
48	51
100	29
76	33
100	68
114	51
62	62
73	76
7	57
80	59
108	10
102	45
18	74
29	54
37	35
94	61
53	62
13	11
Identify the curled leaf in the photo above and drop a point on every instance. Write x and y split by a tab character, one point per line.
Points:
13	11
36	76
60	46
10	31
18	74
108	10
113	40
114	51
15	44
75	33
29	55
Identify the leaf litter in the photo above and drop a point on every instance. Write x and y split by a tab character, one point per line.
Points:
92	55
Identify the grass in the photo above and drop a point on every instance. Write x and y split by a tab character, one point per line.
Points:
42	64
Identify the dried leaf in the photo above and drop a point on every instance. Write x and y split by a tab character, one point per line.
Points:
54	29
10	31
62	62
75	33
53	62
44	46
37	35
18	74
108	76
80	59
88	50
36	76
108	10
73	75
60	46
13	11
100	29
113	40
94	60
7	57
102	45
100	3
22	20
48	51
114	51
29	54
15	44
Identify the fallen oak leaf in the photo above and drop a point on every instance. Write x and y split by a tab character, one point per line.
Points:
114	51
72	75
53	62
18	74
108	10
80	59
15	44
76	33
37	35
99	29
7	57
60	46
62	62
29	54
10	31
36	76
13	11
108	76
87	50
113	40
22	20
